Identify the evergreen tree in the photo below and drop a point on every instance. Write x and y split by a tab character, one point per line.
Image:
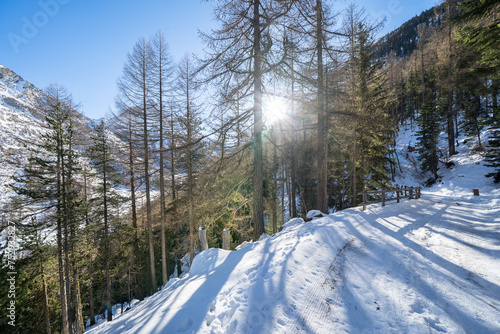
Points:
48	184
428	135
480	31
368	105
191	155
107	199
240	51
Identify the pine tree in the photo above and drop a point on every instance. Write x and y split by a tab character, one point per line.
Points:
368	105
47	183
191	154
238	53
107	199
480	31
428	135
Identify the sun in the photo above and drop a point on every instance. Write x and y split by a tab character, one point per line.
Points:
274	109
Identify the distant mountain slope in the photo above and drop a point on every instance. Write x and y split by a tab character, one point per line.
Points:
22	124
404	40
19	124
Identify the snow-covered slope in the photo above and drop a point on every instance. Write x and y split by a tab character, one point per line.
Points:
21	124
421	266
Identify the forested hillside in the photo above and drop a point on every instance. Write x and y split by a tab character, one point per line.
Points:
282	114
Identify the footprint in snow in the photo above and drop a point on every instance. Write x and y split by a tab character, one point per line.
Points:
417	308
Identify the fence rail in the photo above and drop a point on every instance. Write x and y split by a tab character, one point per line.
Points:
401	192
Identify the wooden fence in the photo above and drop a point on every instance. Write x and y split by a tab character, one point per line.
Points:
202	236
401	192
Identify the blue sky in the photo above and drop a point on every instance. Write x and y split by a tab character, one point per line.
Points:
83	44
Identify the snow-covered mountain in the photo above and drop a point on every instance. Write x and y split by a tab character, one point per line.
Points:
421	266
21	124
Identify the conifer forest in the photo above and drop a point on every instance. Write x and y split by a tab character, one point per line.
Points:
293	106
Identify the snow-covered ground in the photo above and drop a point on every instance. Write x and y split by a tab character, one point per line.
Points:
421	266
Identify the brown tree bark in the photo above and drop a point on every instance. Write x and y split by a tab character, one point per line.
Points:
258	174
45	301
450	125
322	135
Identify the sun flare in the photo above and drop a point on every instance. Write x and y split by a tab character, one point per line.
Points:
275	109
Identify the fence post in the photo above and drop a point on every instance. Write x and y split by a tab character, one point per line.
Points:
397	194
202	235
418	192
383	198
411	193
226	240
364	201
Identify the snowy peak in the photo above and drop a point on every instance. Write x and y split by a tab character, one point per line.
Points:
14	85
21	123
17	94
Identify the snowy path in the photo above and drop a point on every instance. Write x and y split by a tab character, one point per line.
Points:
422	266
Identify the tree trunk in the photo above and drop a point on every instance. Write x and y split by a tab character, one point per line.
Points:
494	98
293	176
162	186
274	200
238	126
107	249
190	177
65	217
91	265
451	128
422	69
60	249
91	300
80	328
258	174
62	282
146	178
45	301
354	185
172	157
322	119
134	209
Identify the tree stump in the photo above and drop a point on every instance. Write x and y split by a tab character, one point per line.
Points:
202	235
226	244
475	192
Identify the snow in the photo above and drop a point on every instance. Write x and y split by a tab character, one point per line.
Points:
21	125
314	214
420	266
18	126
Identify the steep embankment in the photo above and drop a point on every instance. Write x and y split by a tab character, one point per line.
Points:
428	265
421	266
